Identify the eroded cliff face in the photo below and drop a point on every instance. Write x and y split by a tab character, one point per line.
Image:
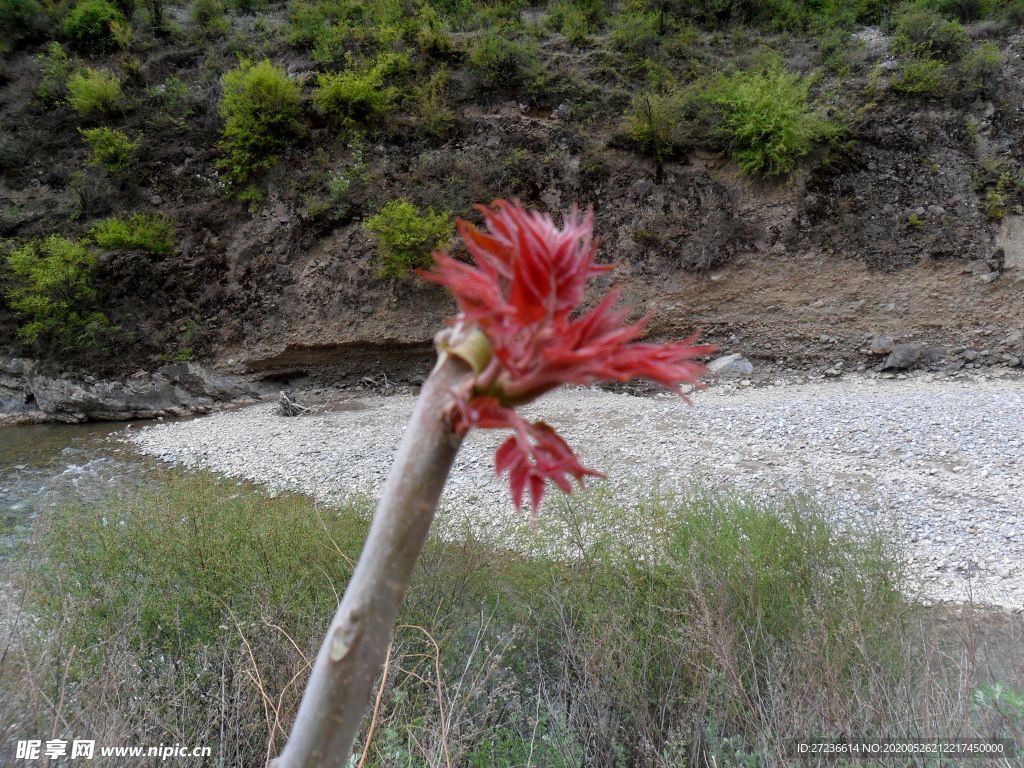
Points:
882	234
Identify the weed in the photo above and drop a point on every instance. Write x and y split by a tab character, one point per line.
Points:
915	222
94	91
89	26
53	88
261	107
406	236
53	289
1003	181
111	149
152	234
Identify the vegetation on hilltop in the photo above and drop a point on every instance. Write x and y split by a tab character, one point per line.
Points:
111	93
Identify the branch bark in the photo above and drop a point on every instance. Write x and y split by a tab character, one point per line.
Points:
341	682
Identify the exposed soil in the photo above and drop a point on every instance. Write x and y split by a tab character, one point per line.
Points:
797	274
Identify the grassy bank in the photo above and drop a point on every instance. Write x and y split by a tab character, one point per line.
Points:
698	629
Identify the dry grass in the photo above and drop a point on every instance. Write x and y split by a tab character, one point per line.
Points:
696	630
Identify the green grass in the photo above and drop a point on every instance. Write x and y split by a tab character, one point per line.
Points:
670	616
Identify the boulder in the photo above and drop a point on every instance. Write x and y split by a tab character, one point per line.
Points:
199	382
882	345
908	355
731	364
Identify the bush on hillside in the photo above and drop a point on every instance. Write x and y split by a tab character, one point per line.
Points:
926	33
56	65
25	21
926	78
208	15
151	234
636	34
89	26
406	236
501	63
360	95
261	108
94	91
656	125
111	149
764	120
53	289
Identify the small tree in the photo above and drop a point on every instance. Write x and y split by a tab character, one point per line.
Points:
515	338
53	289
94	91
111	149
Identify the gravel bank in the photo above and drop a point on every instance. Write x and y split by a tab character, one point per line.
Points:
939	460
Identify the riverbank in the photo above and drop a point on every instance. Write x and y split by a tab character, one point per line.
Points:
935	462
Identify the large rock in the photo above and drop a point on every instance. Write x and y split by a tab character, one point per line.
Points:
196	380
1011	239
908	355
179	389
735	364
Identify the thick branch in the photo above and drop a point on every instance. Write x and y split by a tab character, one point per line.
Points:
340	685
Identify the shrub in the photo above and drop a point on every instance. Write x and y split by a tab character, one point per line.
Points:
921	77
406	237
53	289
636	34
576	19
983	64
502	63
765	120
925	33
152	234
1003	181
261	107
656	126
94	91
88	26
433	115
208	15
249	6
24	20
111	149
56	65
359	96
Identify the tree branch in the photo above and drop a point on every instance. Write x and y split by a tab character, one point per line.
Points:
341	682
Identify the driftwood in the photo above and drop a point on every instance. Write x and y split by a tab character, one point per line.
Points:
289	407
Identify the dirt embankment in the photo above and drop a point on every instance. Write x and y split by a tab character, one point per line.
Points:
885	237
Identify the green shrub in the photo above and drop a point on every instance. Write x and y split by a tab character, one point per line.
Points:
765	120
982	66
921	77
656	126
636	34
576	19
53	289
261	107
502	63
925	33
152	234
93	91
88	26
53	88
249	6
434	116
208	15
24	20
360	95
111	149
406	236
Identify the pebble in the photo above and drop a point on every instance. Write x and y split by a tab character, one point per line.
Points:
928	461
